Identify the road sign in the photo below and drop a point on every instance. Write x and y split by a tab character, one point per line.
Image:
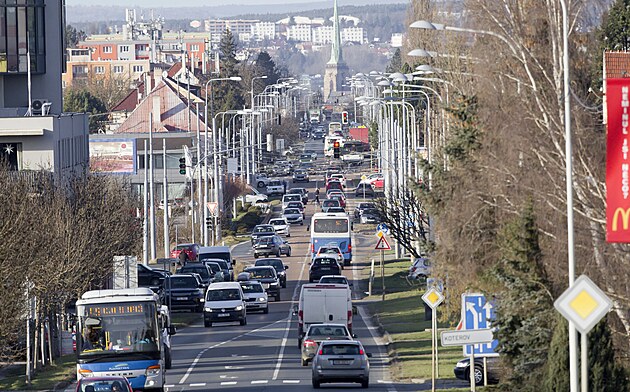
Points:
382	244
212	208
382	227
462	338
433	298
583	303
477	313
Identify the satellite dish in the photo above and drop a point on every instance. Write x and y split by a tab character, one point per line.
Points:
195	24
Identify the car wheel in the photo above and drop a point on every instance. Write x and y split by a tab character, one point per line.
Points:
266	310
260	184
304	362
478	375
289	253
288	235
207	324
255	255
316	383
243	321
302	223
168	361
310	280
284	284
278	253
365	383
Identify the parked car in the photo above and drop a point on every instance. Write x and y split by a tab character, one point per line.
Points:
323	265
273	245
281	226
253	196
202	269
278	265
420	268
341	361
300	176
316	333
462	370
362	207
224	302
326	204
191	251
268	277
262	231
364	190
255	296
149	277
261	180
104	383
293	215
184	291
335	279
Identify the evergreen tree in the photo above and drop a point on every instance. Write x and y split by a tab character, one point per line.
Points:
615	29
524	304
557	375
228	94
82	101
395	65
266	66
604	374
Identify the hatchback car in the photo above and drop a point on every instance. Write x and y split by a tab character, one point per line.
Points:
255	296
273	245
421	268
268	277
341	361
331	250
321	266
462	370
316	333
278	265
224	302
281	226
105	383
293	215
262	231
191	251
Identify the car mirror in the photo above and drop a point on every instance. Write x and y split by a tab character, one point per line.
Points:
286	267
172	330
369	355
354	335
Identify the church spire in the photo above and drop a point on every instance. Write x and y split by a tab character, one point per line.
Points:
335	52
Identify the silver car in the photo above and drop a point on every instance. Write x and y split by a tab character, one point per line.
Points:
293	215
341	361
316	333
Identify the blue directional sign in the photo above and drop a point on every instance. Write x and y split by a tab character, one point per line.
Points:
382	227
477	313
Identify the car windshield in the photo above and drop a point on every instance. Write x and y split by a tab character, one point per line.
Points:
183	247
266	240
216	256
277	222
277	264
295	204
181	282
252	288
202	271
214	267
323	250
261	273
263	229
103	385
340	349
292	211
325	261
336	280
330	203
223	295
327	331
293	198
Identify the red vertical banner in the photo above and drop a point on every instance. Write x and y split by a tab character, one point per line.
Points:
618	160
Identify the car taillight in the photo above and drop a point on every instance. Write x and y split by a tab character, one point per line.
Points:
361	351
349	247
321	351
309	343
312	248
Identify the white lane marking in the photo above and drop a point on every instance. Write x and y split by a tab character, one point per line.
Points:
223	376
202	352
290	381
260	381
228	383
233	367
288	325
199	384
169	385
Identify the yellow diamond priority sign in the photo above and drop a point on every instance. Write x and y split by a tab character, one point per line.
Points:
433	298
584	304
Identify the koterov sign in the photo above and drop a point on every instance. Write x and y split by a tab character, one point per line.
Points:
464	337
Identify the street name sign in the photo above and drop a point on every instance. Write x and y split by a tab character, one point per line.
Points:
462	338
584	304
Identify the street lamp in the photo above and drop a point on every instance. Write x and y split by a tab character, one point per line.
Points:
205	159
251	92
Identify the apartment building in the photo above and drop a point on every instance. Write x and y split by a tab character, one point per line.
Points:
81	68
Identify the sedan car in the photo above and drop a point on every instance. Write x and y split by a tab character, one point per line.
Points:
255	296
316	333
262	231
267	276
341	361
300	176
273	245
293	215
321	266
184	291
278	265
462	370
105	383
364	190
331	250
296	204
281	226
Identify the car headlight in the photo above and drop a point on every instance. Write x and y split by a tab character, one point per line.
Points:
461	364
153	371
239	307
273	284
207	309
262	299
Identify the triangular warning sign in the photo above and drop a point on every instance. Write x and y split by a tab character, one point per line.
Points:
382	244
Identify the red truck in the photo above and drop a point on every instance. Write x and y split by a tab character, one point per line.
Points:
360	133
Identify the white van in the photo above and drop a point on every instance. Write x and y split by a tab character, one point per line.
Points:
324	303
224	302
289	198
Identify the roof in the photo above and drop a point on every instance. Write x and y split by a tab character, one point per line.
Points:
214	249
224	285
616	65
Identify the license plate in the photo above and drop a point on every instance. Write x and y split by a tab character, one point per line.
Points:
182	298
224	314
341	362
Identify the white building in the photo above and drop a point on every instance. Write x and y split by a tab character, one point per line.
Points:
323	35
353	34
299	33
263	30
397	40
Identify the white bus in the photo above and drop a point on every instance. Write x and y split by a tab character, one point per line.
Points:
332	228
332	127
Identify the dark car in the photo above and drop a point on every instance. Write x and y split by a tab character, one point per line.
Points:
278	266
225	268
462	370
273	245
362	207
300	176
370	215
262	231
341	361
184	291
217	271
323	266
202	269
364	190
149	277
300	191
268	277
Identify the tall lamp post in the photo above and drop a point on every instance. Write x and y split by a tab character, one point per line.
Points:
205	159
251	91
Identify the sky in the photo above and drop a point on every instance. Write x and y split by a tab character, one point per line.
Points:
197	3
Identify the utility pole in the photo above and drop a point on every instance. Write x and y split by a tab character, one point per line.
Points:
151	189
145	210
167	242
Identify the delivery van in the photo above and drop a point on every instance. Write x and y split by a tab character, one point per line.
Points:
324	303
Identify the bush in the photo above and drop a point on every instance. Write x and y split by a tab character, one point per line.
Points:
246	222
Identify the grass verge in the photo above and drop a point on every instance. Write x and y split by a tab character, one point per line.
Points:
64	369
402	315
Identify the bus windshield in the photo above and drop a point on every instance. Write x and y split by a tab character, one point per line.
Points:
334	225
107	328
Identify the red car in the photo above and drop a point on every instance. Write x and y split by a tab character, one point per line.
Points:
109	383
191	250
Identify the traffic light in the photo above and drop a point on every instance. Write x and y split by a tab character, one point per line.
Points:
182	166
344	117
210	222
336	148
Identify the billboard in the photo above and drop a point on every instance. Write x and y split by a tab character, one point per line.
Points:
618	160
113	156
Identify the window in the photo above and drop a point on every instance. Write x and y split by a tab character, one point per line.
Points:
124	48
99	70
138	68
118	69
79	69
194	48
10	153
107	49
17	23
